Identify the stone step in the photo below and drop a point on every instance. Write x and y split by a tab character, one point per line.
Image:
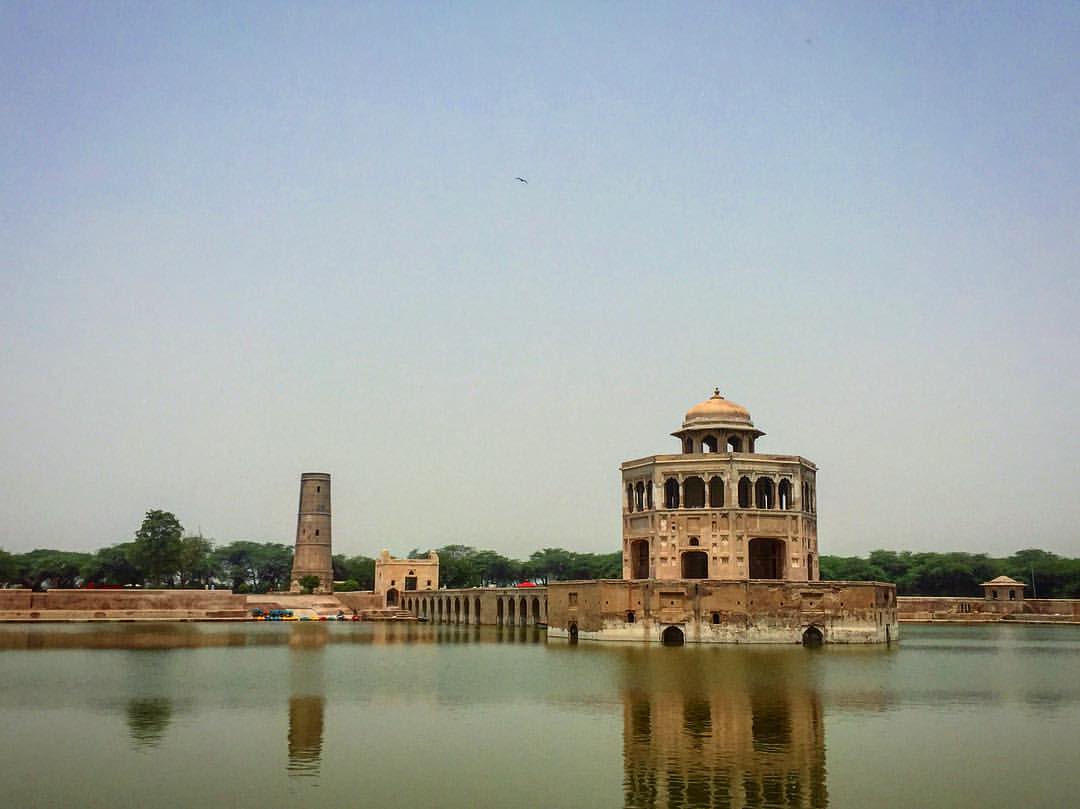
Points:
387	614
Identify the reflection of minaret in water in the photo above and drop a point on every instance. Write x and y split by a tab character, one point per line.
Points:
306	703
724	740
305	735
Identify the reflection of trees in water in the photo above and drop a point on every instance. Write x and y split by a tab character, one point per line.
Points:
148	719
305	734
699	736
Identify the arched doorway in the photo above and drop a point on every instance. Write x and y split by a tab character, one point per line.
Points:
573	632
523	612
672	636
392	597
639	559
498	612
476	612
766	559
812	637
511	612
695	565
536	612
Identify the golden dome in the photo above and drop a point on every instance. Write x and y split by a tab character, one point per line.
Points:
717	410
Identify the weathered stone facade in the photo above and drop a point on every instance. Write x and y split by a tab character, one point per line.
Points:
720	546
312	556
397	578
710	611
719	510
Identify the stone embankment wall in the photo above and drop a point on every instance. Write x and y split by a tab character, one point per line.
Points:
360	600
121	605
714	611
978	610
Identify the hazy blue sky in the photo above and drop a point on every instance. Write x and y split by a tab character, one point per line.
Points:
243	241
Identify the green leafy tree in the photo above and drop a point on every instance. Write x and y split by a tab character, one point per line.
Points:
195	566
8	568
113	565
45	567
550	564
308	583
359	569
254	566
157	546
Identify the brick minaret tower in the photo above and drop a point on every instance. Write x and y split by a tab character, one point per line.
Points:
312	554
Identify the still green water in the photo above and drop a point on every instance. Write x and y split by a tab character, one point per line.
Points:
335	715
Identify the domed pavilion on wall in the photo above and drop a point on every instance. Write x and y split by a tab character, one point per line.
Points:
719	509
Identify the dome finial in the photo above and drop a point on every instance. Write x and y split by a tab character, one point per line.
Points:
716	393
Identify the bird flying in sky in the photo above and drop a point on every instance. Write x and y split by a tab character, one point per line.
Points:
522	180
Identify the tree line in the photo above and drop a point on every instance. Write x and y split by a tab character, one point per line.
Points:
1046	574
161	555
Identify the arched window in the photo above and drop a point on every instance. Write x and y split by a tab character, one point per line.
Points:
709	444
499	611
783	494
537	618
810	567
688	445
524	612
734	443
745	489
671	493
639	496
476	613
716	492
629	496
694	493
764	496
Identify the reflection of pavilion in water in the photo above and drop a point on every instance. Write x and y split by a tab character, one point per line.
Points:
307	706
729	738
